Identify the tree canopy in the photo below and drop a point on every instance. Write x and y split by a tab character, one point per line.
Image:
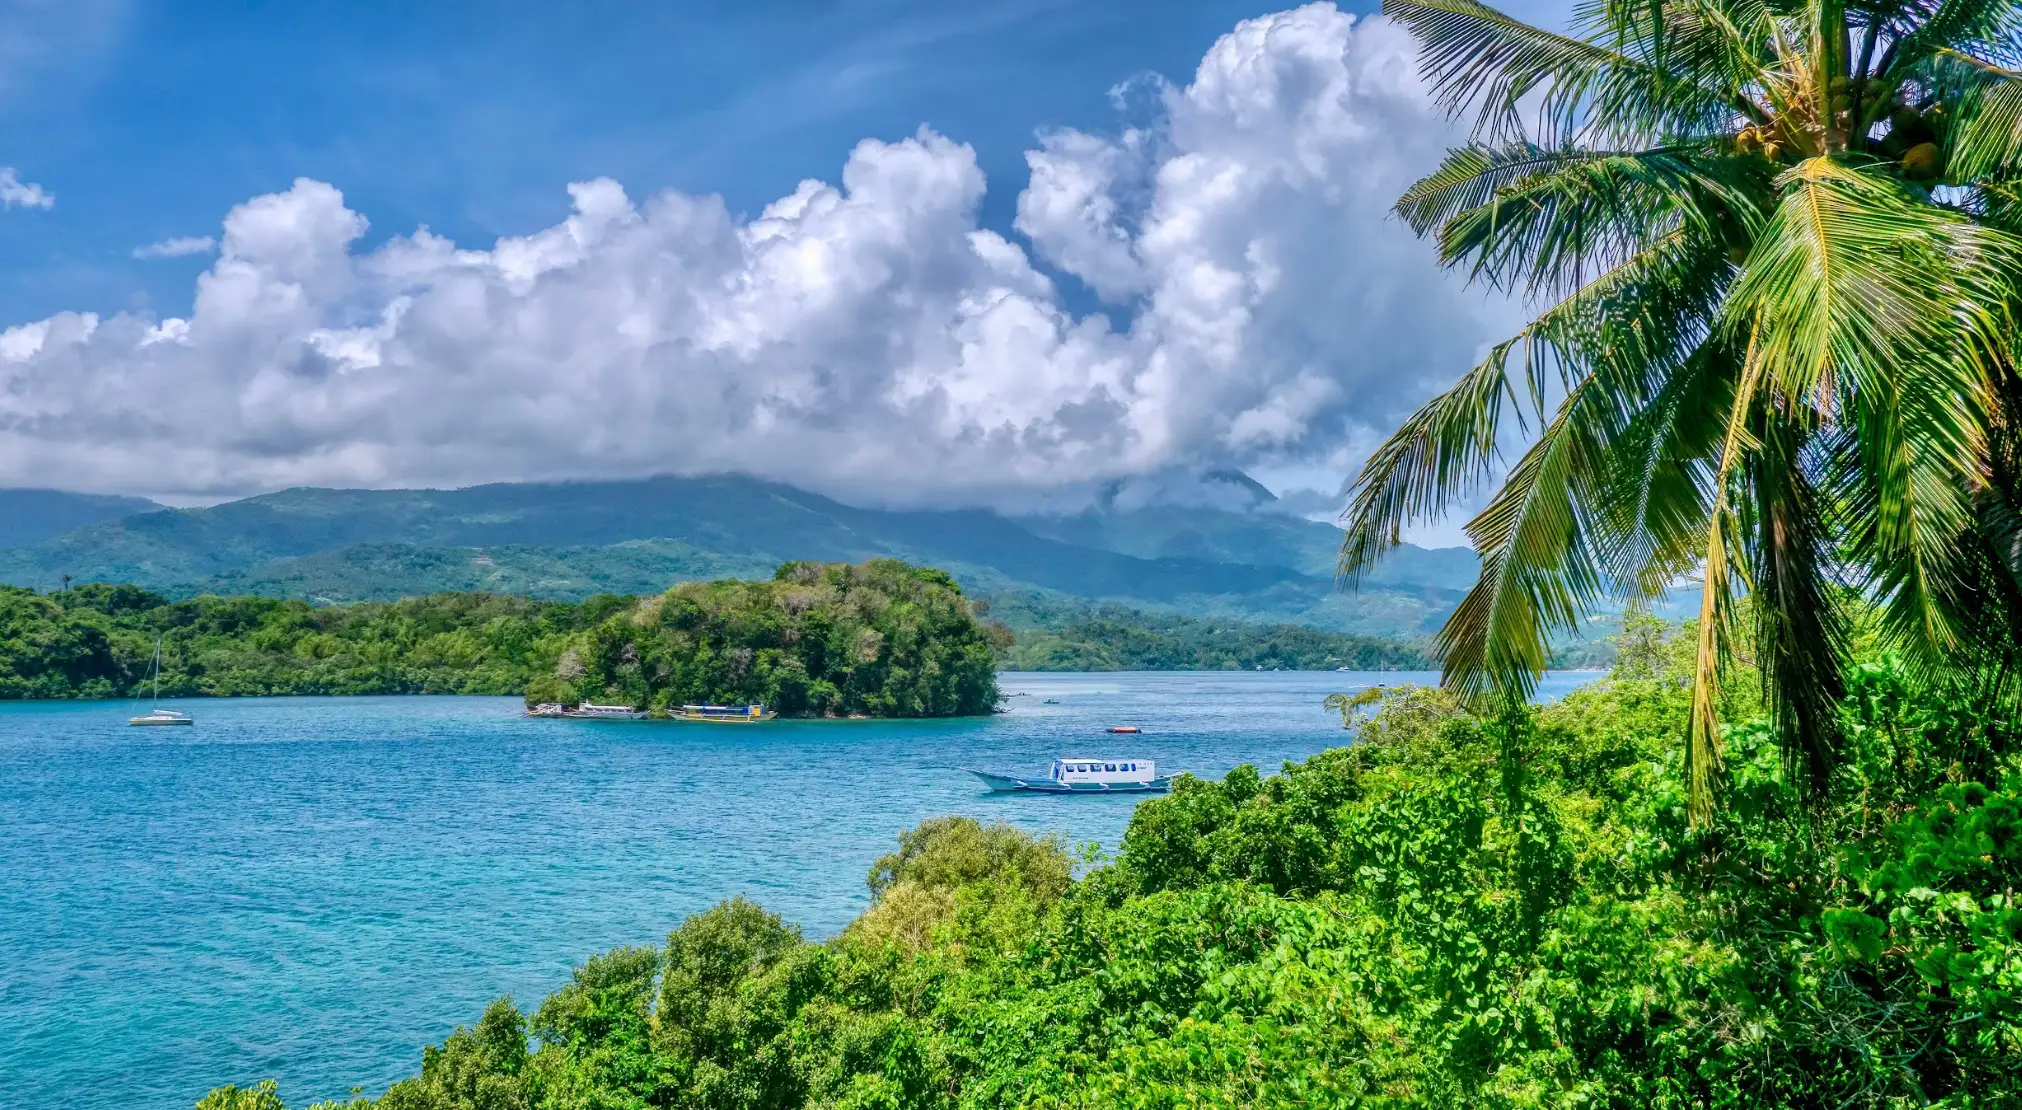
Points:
881	638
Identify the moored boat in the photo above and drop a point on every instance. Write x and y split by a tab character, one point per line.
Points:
1086	776
722	714
160	716
547	709
592	712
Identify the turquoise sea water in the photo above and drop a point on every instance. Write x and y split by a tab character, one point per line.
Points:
310	889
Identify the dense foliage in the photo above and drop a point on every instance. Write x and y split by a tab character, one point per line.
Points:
1114	638
881	638
1455	911
1778	251
99	641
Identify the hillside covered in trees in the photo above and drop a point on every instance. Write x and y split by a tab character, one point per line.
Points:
1117	638
882	639
97	641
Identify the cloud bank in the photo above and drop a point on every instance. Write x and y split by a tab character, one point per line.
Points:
867	338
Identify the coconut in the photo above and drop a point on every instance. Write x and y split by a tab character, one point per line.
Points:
1922	163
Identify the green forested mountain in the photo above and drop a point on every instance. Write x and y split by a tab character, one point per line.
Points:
569	541
29	516
390	571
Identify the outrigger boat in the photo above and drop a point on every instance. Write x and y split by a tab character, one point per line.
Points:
722	714
1087	776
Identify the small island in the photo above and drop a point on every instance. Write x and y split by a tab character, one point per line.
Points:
877	639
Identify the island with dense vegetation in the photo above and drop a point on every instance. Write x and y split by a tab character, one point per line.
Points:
881	638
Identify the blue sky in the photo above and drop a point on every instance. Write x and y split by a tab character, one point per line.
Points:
149	120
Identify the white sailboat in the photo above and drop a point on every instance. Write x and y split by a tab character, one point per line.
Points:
160	716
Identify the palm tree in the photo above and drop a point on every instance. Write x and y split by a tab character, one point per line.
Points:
1778	251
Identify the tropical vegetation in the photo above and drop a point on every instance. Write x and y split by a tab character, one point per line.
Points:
1778	244
98	641
1117	638
881	638
1505	910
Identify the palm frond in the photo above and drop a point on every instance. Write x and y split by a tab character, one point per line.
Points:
1800	632
1631	323
1444	451
1541	220
1540	570
1660	493
1479	60
1987	140
1716	601
1890	315
1982	31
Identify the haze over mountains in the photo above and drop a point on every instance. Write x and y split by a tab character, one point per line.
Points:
1231	555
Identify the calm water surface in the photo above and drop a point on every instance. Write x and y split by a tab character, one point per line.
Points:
309	889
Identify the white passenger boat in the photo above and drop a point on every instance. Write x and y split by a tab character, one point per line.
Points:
589	711
1087	776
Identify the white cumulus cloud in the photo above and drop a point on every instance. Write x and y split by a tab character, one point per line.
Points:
866	337
16	192
177	247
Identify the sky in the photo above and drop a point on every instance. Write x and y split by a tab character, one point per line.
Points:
951	253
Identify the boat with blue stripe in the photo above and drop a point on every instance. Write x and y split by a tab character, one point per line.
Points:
722	714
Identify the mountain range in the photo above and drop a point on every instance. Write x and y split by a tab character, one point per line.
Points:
1235	557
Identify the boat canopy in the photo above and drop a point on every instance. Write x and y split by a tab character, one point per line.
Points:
1104	770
